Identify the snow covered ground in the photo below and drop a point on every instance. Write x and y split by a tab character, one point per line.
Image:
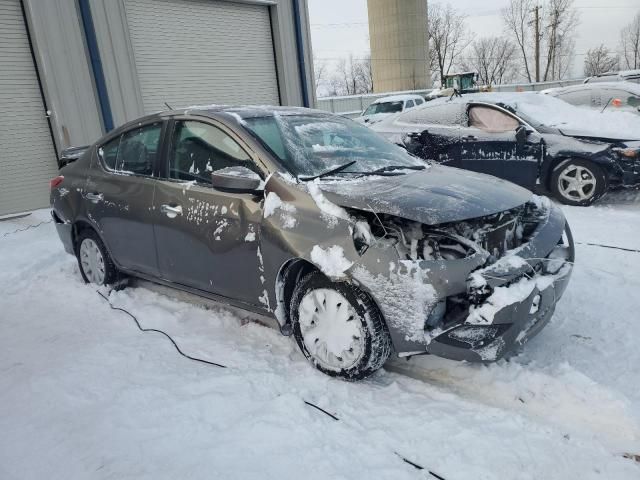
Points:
84	394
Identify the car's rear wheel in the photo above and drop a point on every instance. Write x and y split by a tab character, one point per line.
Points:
338	327
94	261
578	182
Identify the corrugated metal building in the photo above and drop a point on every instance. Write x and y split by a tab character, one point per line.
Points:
70	70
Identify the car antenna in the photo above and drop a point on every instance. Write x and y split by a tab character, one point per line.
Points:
168	106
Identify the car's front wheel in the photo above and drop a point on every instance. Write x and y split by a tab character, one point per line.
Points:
338	327
94	261
578	182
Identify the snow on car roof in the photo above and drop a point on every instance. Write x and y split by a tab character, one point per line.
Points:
398	98
628	86
548	111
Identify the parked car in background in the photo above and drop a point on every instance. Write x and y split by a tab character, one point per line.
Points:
536	141
609	96
621	76
383	107
346	241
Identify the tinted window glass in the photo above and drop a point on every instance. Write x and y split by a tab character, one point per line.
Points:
197	149
409	104
434	114
385	107
491	120
134	151
576	97
109	152
419	101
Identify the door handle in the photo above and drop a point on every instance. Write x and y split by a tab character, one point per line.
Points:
171	211
470	138
94	197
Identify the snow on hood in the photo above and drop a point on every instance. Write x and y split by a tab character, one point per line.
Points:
543	110
433	196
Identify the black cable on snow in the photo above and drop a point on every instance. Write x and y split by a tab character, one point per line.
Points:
161	332
28	227
419	467
322	410
634	250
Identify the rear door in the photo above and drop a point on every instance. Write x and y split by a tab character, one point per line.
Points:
489	145
206	238
119	195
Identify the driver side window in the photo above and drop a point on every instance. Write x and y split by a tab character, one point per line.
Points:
491	120
198	149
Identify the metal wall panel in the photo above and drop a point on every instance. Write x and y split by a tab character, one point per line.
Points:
27	156
202	52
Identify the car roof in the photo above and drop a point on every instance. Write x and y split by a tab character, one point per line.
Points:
398	98
628	86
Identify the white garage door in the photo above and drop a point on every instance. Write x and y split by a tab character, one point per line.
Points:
27	157
202	52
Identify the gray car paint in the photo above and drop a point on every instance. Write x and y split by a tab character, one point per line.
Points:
251	274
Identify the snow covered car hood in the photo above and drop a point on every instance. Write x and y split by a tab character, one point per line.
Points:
435	195
593	134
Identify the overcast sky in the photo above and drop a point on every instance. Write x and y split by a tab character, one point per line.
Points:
340	27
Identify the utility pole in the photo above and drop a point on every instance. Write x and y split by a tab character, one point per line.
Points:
536	12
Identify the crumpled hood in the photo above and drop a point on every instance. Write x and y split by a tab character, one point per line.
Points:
436	195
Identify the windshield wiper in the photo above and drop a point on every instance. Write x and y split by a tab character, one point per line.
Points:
328	172
390	168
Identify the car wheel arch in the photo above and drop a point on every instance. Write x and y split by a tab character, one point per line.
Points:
79	226
288	274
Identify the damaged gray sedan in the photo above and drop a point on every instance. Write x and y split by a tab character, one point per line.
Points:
349	243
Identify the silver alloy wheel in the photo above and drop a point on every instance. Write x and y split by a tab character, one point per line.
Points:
331	329
577	183
92	261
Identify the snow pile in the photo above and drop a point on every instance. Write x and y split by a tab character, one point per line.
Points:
330	211
331	261
273	203
76	388
408	295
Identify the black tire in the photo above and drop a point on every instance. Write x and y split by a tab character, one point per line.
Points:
592	170
377	341
111	274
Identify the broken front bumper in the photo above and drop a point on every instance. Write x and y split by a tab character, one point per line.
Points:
512	323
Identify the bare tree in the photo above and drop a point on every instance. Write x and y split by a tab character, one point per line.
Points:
557	29
494	59
561	22
352	76
448	37
630	44
600	60
517	20
320	72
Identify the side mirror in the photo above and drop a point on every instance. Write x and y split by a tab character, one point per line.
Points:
236	179
521	135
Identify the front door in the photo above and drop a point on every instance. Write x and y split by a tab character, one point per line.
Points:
489	145
119	196
206	238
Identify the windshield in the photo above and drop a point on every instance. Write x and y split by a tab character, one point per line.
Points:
309	145
383	107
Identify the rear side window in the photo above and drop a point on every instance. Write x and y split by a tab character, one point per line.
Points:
409	104
133	152
448	114
419	101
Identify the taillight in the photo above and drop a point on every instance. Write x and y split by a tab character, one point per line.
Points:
54	182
